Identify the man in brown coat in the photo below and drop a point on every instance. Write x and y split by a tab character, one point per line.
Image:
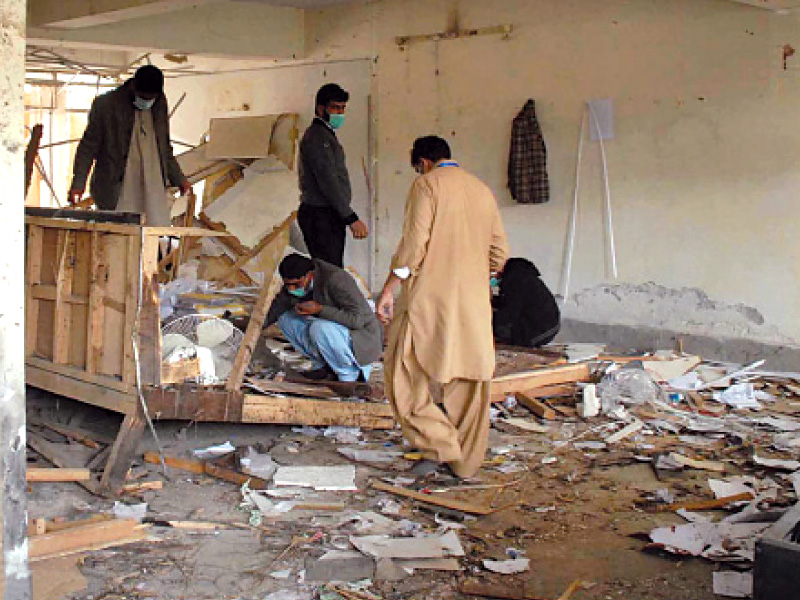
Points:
127	139
441	329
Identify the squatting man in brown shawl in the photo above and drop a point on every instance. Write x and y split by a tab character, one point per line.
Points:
441	325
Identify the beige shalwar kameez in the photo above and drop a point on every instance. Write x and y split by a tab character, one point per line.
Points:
453	238
143	189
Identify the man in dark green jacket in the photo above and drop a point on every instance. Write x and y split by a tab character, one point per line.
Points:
325	316
107	142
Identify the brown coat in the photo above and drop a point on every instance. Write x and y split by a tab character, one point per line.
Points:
107	140
452	238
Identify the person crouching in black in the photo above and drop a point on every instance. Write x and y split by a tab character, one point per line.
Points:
525	311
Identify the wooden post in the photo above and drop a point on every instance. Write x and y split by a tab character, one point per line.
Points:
12	303
119	461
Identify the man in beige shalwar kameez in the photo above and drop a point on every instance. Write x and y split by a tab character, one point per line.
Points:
441	329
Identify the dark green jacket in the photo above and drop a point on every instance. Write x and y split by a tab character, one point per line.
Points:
322	171
107	140
343	303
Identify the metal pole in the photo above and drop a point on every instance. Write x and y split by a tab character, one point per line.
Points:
12	303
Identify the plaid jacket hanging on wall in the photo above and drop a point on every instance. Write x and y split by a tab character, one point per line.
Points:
527	160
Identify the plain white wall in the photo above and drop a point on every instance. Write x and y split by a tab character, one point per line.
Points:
703	171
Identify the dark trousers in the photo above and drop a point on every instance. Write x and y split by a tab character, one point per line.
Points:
324	233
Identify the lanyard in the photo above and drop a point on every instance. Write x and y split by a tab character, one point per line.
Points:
450	163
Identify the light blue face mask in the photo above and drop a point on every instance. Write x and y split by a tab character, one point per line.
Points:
142	103
298	292
494	282
336	121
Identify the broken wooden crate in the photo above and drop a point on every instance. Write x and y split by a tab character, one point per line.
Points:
93	334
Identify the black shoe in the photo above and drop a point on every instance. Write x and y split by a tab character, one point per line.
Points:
322	374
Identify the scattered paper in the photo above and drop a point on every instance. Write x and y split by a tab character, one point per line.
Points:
669	370
741	395
214	451
429	546
130	511
715	541
776	463
333	478
507	567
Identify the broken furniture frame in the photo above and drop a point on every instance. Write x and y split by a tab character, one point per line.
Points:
93	334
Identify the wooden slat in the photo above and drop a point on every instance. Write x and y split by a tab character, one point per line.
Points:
436	500
44	474
306	411
149	321
43	291
132	267
33	277
80	374
521	382
137	230
122	451
90	393
81	287
97	291
86	537
540	409
100	216
268	292
63	313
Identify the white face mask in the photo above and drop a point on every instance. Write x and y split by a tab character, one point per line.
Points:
142	103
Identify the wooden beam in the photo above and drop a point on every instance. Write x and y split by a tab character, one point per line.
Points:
100	216
267	294
63	310
307	411
437	500
202	467
122	451
97	307
522	382
86	537
30	153
538	408
706	504
33	277
40	474
76	373
97	394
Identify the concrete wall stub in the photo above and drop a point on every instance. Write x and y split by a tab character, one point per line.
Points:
12	303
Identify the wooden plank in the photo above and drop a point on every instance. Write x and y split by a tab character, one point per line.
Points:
194	403
137	230
130	298
202	467
538	408
307	411
81	287
259	247
179	372
122	451
100	216
522	382
97	309
437	500
42	291
500	591
267	294
706	504
33	275
86	537
63	312
182	232
30	153
39	474
80	374
78	389
149	319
